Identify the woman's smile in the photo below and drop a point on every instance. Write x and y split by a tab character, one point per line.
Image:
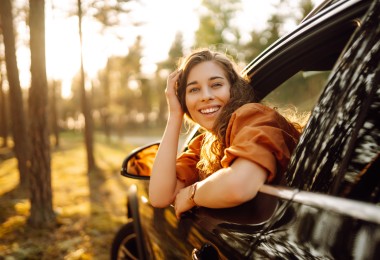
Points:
207	92
210	110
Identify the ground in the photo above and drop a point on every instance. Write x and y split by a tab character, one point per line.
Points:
89	207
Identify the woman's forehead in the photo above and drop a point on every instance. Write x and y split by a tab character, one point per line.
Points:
205	70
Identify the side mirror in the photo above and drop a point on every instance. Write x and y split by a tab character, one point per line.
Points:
138	164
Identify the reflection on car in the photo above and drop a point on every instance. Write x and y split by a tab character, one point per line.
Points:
330	208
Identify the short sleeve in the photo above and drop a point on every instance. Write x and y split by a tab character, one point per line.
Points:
186	165
261	135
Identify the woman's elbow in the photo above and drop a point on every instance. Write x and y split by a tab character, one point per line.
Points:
241	192
159	201
238	197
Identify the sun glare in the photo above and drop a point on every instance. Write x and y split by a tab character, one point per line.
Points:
63	51
161	21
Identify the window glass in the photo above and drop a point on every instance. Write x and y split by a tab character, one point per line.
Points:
300	91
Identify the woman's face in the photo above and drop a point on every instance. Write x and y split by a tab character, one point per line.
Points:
207	92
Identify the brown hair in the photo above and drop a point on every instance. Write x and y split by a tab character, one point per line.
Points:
240	93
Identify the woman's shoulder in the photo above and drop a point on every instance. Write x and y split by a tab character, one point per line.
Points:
256	114
197	141
254	110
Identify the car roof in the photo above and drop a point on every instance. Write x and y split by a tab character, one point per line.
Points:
314	45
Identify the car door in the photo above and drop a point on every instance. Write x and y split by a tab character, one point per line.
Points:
336	213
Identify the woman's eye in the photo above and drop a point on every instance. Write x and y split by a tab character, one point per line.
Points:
217	84
192	90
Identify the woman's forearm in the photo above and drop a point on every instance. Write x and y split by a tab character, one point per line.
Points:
163	179
231	186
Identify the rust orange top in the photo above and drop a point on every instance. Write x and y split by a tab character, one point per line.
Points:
255	132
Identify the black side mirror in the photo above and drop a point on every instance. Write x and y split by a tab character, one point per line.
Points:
138	164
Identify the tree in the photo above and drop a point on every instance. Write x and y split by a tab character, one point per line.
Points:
55	87
86	106
18	123
262	39
41	211
3	108
305	6
254	47
215	27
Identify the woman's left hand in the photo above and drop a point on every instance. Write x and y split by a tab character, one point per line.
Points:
182	202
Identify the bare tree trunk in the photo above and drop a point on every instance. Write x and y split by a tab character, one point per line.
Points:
86	106
41	212
3	110
19	130
107	97
54	112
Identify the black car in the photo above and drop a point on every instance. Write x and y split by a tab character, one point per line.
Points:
330	207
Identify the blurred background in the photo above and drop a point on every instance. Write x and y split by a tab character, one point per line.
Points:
82	84
129	47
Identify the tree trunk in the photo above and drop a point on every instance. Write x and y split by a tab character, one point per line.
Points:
86	106
20	138
54	112
41	212
105	111
3	110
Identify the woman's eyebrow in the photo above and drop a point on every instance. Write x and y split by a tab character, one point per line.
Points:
216	77
191	83
210	79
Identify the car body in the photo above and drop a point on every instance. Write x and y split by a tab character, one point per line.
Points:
330	208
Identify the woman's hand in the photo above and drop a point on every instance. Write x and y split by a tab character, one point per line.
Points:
170	92
226	188
182	201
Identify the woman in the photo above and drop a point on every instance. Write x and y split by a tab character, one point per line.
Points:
244	144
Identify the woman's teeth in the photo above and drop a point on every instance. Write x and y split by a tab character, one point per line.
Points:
209	110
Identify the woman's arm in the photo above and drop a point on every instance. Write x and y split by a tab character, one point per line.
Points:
226	188
163	184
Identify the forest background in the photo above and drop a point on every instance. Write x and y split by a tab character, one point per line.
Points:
61	194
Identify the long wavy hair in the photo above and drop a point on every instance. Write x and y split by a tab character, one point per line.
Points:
240	93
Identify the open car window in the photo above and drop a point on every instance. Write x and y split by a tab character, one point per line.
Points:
301	92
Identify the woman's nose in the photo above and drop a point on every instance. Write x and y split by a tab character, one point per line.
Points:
207	94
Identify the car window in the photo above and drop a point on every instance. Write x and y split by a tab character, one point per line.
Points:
300	92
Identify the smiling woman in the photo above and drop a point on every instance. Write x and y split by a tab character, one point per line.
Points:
244	144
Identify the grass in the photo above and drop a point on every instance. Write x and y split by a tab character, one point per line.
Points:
89	207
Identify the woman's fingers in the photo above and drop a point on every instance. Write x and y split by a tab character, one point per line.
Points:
173	77
172	99
174	73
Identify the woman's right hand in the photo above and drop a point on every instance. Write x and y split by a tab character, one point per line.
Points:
170	92
163	185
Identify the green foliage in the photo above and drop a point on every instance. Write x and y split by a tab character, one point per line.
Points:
175	52
216	28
